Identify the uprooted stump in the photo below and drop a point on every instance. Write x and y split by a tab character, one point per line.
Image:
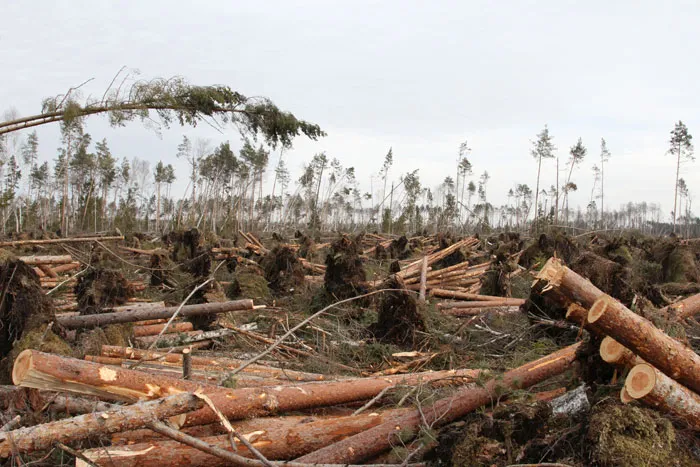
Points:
188	252
547	246
456	257
25	312
399	320
99	288
283	270
345	274
609	276
161	268
400	248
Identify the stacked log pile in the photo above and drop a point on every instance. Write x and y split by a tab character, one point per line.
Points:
665	373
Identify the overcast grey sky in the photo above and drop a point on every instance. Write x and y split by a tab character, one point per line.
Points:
415	75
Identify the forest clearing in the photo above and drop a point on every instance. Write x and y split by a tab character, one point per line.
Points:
232	327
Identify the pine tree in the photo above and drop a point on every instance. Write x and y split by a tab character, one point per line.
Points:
681	145
543	148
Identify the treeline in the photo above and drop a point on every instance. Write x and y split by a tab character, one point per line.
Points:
87	188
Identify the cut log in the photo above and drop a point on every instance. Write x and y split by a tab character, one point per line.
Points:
657	390
414	268
36	260
647	341
46	269
617	354
182	338
136	306
61	268
276	438
684	309
103	319
465	312
423	279
481	304
68	431
374	441
47	371
209	363
55	241
442	293
155	329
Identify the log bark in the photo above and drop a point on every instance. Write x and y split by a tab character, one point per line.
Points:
155	329
183	338
414	268
484	303
55	241
565	281
617	354
374	441
103	319
136	306
649	385
683	309
54	372
46	269
61	268
282	438
647	341
68	431
37	260
211	363
423	279
442	293
465	312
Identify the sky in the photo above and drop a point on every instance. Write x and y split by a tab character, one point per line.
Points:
420	77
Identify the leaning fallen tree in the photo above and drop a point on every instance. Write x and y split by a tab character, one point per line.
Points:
186	311
376	440
52	372
282	438
70	430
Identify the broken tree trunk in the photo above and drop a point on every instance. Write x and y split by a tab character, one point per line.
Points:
103	319
657	390
617	354
54	241
374	441
684	309
155	329
68	431
567	282
282	438
53	372
646	340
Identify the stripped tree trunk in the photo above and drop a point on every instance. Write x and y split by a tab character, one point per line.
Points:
67	431
47	371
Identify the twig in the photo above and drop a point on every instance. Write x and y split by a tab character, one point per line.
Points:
373	400
75	453
69	279
9	426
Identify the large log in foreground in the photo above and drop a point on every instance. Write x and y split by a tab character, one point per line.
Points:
103	319
654	388
53	372
70	430
277	439
50	259
374	441
647	341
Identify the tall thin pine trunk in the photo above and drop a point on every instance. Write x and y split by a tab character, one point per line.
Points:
675	194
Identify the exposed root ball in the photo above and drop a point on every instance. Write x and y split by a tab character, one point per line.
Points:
399	320
400	248
609	276
161	266
283	270
345	275
189	253
23	305
99	288
452	259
